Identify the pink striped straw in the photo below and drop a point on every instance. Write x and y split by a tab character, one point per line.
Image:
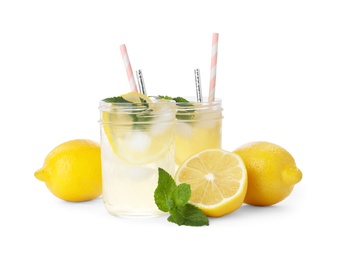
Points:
128	68
211	95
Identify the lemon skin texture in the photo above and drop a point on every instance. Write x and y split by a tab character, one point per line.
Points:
72	171
272	173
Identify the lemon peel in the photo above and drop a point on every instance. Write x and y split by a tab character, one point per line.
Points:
72	170
272	172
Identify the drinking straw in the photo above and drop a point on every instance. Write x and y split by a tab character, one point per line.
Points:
198	85
128	68
141	84
211	95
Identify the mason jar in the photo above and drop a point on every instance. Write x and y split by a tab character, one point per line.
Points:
136	140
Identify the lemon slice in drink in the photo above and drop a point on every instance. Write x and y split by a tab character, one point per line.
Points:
135	137
218	181
133	97
136	97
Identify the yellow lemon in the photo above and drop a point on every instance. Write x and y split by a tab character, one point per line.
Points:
272	173
72	170
218	181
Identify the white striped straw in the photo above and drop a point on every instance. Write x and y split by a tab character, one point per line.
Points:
128	68
211	95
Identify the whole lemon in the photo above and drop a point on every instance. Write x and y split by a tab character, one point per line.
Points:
72	170
271	170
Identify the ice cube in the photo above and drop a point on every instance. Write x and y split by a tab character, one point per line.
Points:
137	141
184	130
136	173
162	121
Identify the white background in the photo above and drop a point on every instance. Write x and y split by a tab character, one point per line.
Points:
276	74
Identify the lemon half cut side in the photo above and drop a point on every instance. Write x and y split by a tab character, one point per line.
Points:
218	181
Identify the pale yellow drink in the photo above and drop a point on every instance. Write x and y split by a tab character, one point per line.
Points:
135	141
199	127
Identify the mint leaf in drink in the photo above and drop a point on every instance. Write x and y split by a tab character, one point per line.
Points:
143	101
142	116
174	199
185	109
138	112
180	100
118	99
164	97
176	99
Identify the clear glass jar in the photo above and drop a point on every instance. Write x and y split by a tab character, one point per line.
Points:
136	139
198	127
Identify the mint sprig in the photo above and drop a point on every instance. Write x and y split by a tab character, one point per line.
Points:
183	114
142	112
173	198
176	99
118	99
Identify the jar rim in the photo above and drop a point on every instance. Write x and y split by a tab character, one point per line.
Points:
193	99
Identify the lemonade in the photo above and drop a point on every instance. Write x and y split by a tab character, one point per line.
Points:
136	139
198	128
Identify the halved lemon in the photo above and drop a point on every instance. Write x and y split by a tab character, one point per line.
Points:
218	181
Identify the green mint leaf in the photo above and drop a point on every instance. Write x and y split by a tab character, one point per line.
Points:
164	97
139	115
183	114
188	215
118	99
176	99
164	190
181	194
142	116
142	100
180	100
186	113
176	217
174	199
